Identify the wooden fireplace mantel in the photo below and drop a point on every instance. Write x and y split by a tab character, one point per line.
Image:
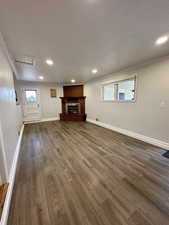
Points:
71	116
73	103
73	98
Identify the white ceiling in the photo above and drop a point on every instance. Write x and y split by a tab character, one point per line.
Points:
80	35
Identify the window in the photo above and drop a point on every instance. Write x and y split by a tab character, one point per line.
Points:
109	92
120	91
31	96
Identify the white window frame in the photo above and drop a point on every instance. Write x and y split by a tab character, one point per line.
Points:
134	77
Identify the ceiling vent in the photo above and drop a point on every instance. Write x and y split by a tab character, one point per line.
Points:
25	60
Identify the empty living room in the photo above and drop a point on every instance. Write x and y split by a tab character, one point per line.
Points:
84	112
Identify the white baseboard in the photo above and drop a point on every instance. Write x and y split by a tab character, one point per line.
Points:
49	119
42	120
141	137
11	181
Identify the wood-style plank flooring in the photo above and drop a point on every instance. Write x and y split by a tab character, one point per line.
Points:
76	173
3	191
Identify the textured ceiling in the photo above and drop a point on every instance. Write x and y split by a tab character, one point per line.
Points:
80	35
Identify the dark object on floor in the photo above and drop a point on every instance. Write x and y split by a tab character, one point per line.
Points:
166	154
3	191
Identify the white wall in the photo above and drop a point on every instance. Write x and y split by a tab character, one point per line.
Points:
149	115
3	166
0	180
50	107
19	117
8	123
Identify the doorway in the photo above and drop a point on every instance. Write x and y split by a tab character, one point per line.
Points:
31	104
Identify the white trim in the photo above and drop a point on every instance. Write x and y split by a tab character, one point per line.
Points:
11	181
141	137
4	160
116	81
49	119
42	120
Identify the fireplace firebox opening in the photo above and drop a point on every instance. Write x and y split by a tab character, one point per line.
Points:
73	108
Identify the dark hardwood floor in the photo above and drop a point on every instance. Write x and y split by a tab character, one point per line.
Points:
76	173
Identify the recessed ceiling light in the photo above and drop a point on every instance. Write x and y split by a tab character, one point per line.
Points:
41	77
49	62
162	40
73	81
94	71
